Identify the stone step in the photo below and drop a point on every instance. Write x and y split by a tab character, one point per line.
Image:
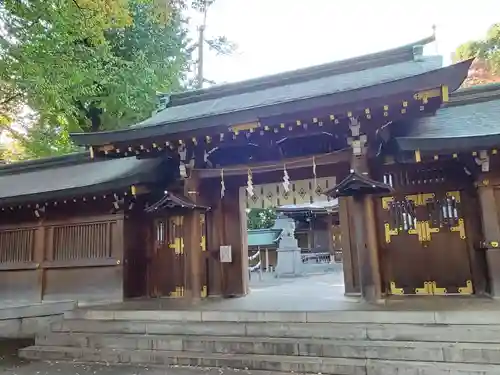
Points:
343	331
298	364
483	317
390	350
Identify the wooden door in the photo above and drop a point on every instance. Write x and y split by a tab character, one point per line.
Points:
167	276
423	244
404	261
449	261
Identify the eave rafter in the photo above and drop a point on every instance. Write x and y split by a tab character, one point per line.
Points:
267	131
118	199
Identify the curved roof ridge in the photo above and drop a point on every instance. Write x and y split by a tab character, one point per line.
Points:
46	162
381	58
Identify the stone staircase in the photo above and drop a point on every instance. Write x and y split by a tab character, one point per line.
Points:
341	342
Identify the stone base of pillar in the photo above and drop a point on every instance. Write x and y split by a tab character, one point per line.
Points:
289	262
493	260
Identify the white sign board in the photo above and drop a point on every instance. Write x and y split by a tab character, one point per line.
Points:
225	254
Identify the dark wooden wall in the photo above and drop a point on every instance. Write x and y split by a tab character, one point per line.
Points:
60	257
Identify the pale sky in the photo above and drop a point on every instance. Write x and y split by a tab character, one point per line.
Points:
279	35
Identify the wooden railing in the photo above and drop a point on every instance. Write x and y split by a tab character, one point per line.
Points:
82	241
17	245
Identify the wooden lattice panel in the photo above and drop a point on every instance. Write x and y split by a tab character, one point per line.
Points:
300	192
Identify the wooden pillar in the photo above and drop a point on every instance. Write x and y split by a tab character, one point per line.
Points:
39	256
349	254
366	243
235	274
192	239
227	226
491	231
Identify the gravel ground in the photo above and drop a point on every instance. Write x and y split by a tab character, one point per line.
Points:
63	368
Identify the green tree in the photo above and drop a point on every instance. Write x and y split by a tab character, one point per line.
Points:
486	68
87	65
261	218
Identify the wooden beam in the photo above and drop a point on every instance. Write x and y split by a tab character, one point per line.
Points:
295	163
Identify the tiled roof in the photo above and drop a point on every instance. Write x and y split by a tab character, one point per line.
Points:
71	174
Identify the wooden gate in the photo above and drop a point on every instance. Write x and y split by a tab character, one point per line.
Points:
168	263
424	247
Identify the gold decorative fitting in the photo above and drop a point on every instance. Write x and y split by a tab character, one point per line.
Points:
118	262
133	190
91	149
386	107
474	153
418	157
445	93
468	289
405	104
427	94
396	291
389	232
494	244
179	292
155	145
177	245
367	111
386	201
486	182
455	156
204	291
438	291
282	126
427	289
349	114
203	243
244	127
494	152
460	228
332	117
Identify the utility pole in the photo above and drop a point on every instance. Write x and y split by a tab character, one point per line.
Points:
201	41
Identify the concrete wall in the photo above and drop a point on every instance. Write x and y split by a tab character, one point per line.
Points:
25	321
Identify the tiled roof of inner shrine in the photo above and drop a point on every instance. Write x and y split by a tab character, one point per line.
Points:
471	120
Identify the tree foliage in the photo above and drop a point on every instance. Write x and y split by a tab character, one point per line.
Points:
261	218
91	65
87	65
486	68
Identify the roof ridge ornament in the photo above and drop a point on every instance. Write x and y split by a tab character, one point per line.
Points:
418	52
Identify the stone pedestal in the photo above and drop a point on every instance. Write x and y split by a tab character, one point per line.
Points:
289	259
